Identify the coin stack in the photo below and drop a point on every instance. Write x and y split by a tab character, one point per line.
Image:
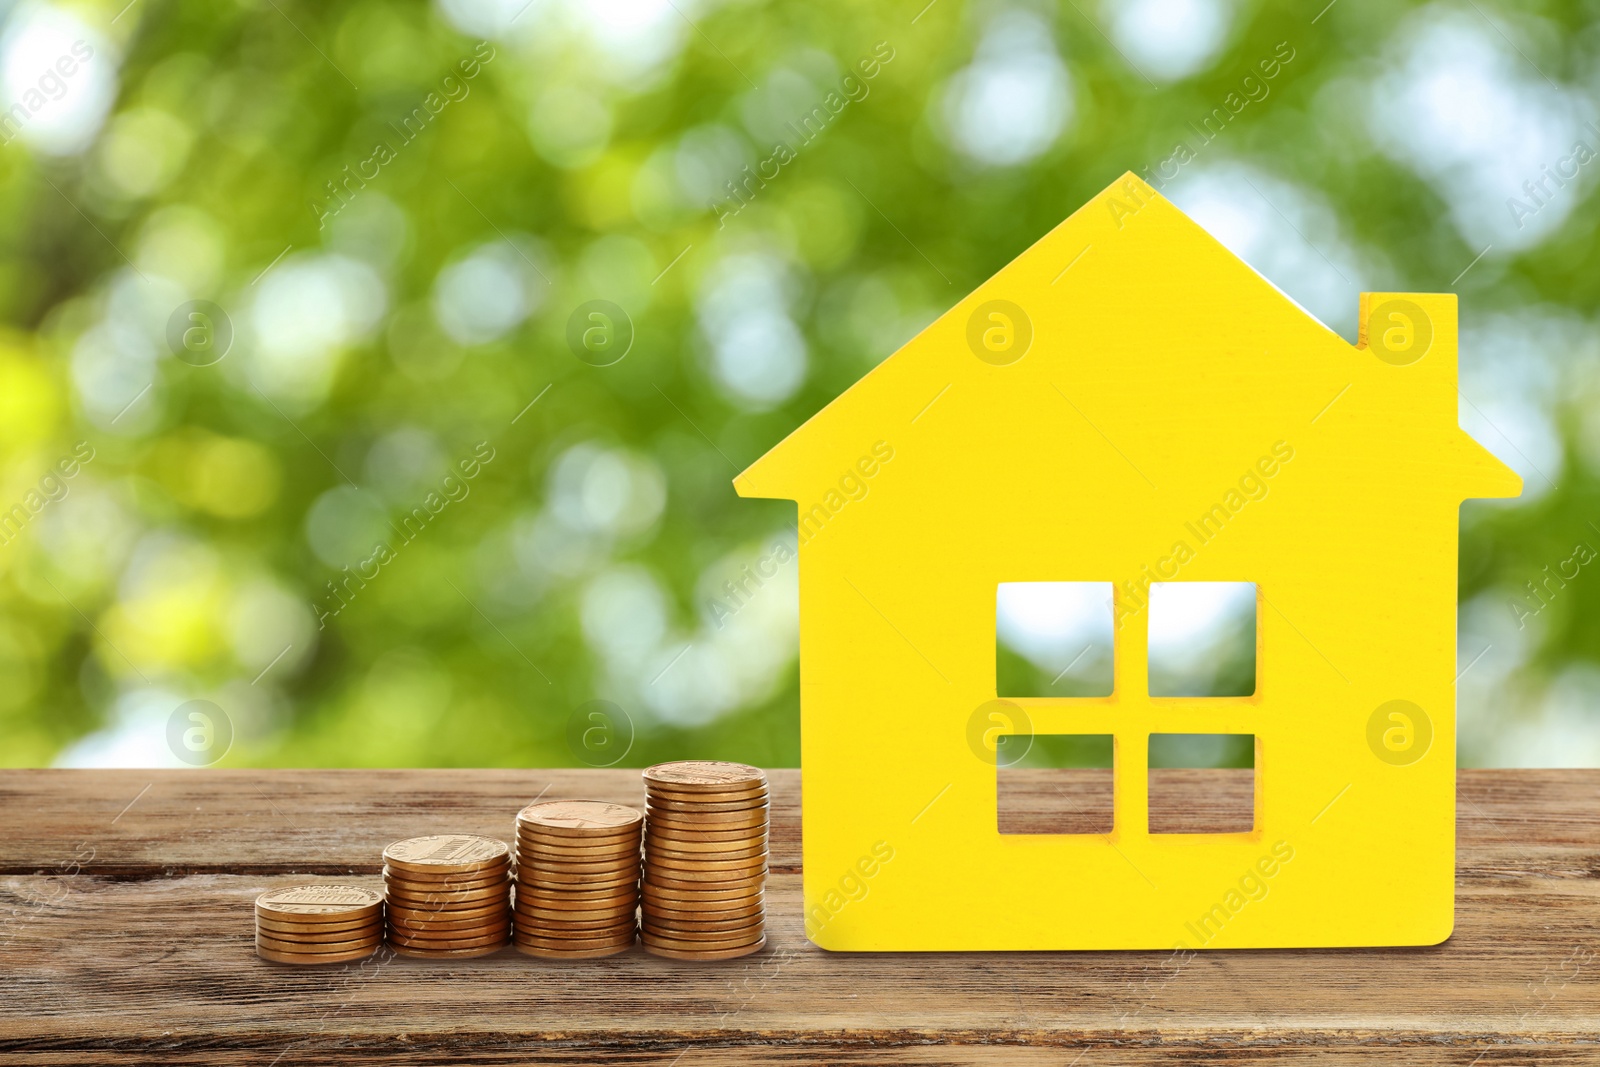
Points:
318	924
449	895
705	860
577	879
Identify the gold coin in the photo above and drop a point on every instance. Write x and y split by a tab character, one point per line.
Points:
578	896
706	872
448	953
596	881
568	879
699	774
471	933
548	839
660	828
552	917
662	806
724	791
316	958
526	852
574	927
684	900
408	885
624	937
439	931
446	854
603	940
544	898
697	926
610	941
706	809
358	933
731	849
702	923
588	915
309	903
558	901
578	817
428	926
583	854
447	902
447	912
479	880
706	861
669	878
572	953
685	827
620	861
416	915
446	882
724	822
496	936
561	928
472	897
574	932
448	929
701	881
693	944
727	935
317	947
700	890
586	855
626	861
446	921
584	897
720	937
717	908
581	914
659	914
551	903
677	907
578	908
540	864
675	841
659	801
706	954
320	929
427	938
696	891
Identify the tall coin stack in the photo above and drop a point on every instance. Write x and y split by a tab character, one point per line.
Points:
318	924
449	895
705	860
577	879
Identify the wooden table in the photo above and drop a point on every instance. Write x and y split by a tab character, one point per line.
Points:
126	937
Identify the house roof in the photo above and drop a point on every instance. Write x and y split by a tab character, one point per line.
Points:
1126	264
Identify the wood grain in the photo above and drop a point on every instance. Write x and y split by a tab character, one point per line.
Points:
125	937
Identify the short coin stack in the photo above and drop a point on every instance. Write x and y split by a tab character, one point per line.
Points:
577	879
448	895
705	860
318	924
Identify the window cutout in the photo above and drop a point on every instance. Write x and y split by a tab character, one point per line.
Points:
1202	639
1055	783
1202	783
1053	639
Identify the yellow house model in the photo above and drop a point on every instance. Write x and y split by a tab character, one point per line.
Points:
1098	411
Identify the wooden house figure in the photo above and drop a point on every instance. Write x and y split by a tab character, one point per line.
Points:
1071	420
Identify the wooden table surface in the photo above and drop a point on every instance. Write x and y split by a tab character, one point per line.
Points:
126	936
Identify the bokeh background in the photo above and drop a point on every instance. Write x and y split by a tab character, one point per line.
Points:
393	333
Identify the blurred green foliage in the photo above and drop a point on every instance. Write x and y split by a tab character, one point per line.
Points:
192	536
